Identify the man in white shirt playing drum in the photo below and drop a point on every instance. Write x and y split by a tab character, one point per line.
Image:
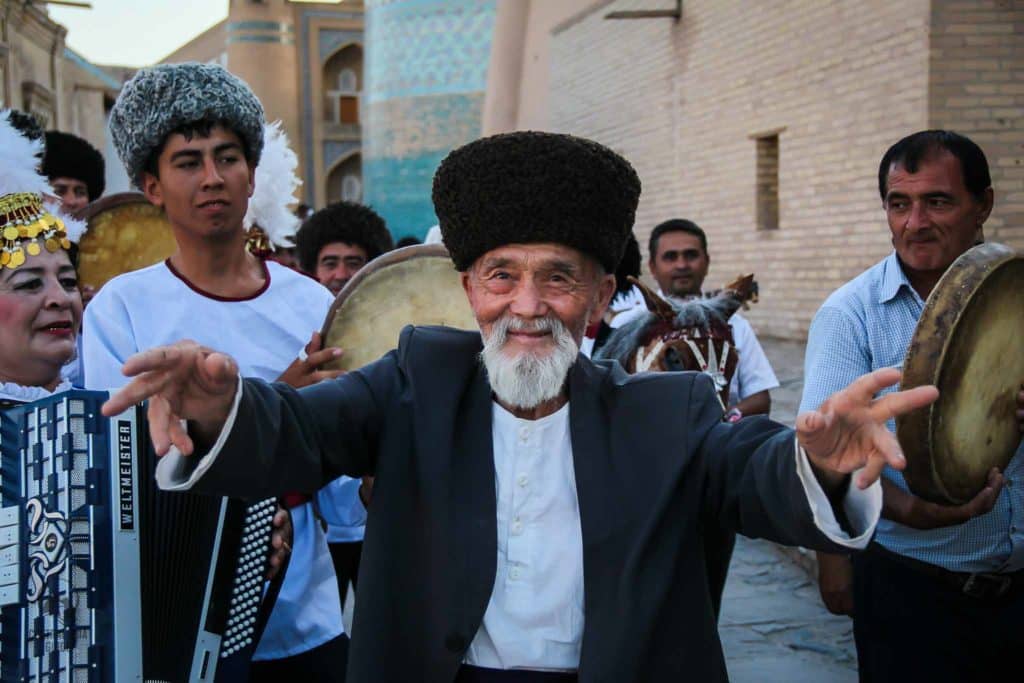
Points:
536	516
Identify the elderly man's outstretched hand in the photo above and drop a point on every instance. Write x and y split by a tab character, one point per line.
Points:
183	381
847	433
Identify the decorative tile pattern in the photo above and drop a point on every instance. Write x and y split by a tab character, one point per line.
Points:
426	73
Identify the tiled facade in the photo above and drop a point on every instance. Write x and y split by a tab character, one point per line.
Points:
688	101
305	63
426	75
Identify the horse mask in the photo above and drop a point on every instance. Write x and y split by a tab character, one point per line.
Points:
675	335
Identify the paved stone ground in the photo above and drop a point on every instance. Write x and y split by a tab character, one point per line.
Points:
773	625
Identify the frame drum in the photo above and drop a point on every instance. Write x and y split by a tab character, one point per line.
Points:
415	285
968	343
125	233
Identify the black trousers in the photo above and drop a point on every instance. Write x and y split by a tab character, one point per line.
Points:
911	626
346	565
323	664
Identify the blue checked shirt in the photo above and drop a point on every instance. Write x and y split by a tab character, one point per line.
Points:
865	325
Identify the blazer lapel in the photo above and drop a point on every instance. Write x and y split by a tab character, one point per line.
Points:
474	502
596	486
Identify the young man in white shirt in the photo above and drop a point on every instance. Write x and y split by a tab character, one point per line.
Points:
190	136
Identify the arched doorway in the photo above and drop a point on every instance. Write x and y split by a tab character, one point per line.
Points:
342	83
345	181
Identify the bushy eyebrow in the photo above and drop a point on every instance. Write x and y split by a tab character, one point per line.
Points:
219	149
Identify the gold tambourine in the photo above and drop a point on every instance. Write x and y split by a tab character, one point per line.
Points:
968	344
125	233
415	285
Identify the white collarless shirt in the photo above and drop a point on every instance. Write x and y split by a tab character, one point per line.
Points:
534	619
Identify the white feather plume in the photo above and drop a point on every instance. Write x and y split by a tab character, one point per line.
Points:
19	161
276	183
73	228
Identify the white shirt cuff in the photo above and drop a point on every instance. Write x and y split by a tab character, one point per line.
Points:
863	507
174	471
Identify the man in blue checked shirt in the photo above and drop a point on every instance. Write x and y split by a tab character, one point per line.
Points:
918	613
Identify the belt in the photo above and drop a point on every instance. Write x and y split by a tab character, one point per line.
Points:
476	674
982	586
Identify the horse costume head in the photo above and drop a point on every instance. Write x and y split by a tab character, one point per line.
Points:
676	334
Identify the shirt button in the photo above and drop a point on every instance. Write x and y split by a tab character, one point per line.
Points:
523	480
517	528
524	433
513	573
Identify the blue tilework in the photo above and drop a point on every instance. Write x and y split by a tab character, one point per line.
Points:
425	77
867	324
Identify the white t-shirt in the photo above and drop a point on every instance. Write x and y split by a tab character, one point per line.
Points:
753	372
263	333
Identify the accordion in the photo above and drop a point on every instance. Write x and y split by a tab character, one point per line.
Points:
105	578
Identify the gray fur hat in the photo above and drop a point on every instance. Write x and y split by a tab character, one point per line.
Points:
159	99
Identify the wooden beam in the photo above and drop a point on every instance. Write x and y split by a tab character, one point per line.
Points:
68	3
676	13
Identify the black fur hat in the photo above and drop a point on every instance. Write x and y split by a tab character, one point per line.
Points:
341	222
628	266
69	156
535	187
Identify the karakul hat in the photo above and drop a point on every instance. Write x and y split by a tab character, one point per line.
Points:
161	98
69	156
535	187
347	222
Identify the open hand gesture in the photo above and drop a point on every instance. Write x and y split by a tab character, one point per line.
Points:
183	381
848	432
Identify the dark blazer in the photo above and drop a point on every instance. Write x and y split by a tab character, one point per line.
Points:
654	464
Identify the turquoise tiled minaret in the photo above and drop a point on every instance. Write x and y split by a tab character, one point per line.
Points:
426	73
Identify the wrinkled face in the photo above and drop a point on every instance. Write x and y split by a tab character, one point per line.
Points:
533	303
932	216
40	313
204	184
534	281
337	263
73	194
680	265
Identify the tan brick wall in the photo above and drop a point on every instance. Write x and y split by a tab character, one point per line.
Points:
841	81
977	88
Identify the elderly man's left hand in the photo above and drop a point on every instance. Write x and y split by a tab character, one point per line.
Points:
848	433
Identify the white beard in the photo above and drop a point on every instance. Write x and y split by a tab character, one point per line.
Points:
527	380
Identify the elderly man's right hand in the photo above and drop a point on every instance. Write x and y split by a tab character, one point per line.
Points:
183	381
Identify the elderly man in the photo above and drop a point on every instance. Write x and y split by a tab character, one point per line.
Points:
537	516
939	595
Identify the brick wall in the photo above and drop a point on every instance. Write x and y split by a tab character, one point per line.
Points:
977	88
838	81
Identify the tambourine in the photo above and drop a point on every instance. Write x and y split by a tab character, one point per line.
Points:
416	285
969	342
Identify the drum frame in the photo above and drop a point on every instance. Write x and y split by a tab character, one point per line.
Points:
923	364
